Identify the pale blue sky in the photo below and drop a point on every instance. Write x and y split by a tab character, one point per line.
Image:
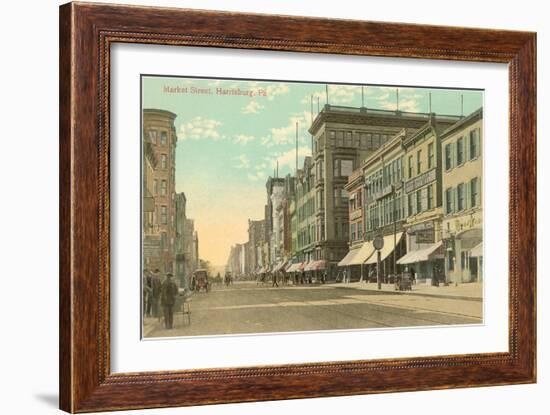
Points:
228	145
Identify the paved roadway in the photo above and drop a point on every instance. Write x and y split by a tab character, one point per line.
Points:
250	308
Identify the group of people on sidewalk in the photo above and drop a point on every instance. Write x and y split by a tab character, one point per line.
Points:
159	293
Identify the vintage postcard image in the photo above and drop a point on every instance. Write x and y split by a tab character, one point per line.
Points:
284	206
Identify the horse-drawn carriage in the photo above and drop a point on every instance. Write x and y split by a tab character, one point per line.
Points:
200	281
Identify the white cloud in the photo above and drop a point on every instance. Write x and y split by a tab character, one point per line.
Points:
337	95
253	107
256	176
287	134
243	139
275	90
242	162
288	158
407	101
200	128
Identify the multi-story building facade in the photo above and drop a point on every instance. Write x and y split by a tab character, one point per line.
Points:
186	243
306	222
461	152
256	234
159	131
422	163
343	138
151	235
384	201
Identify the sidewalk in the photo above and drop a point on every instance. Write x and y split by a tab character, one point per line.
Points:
149	324
472	291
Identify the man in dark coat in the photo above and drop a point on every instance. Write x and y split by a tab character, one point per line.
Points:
156	286
149	302
169	292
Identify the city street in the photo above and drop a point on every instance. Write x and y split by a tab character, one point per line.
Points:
246	307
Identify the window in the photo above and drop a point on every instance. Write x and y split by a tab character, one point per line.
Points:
430	155
163	138
430	197
474	143
474	191
359	230
343	168
460	196
352	231
163	187
418	161
348	139
164	215
163	161
460	151
153	136
410	166
448	157
419	201
340	197
449	200
339	138
410	203
155	187
164	241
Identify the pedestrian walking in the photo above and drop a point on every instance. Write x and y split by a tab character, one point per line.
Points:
169	292
156	287
274	282
345	277
146	292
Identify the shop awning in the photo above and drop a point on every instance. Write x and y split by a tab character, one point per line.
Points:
318	265
349	256
358	255
365	252
279	266
477	251
433	251
387	249
294	267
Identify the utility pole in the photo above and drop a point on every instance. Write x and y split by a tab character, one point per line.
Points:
430	102
362	96
326	92
462	105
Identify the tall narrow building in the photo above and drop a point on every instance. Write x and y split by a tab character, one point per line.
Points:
159	139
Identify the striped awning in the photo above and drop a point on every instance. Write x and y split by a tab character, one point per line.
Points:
315	265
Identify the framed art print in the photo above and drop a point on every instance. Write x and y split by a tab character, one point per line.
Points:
255	209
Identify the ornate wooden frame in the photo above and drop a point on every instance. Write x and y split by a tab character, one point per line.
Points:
86	33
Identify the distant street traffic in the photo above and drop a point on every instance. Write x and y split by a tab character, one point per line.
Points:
247	307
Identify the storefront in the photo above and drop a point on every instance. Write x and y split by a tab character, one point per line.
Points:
353	262
425	264
394	247
464	256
